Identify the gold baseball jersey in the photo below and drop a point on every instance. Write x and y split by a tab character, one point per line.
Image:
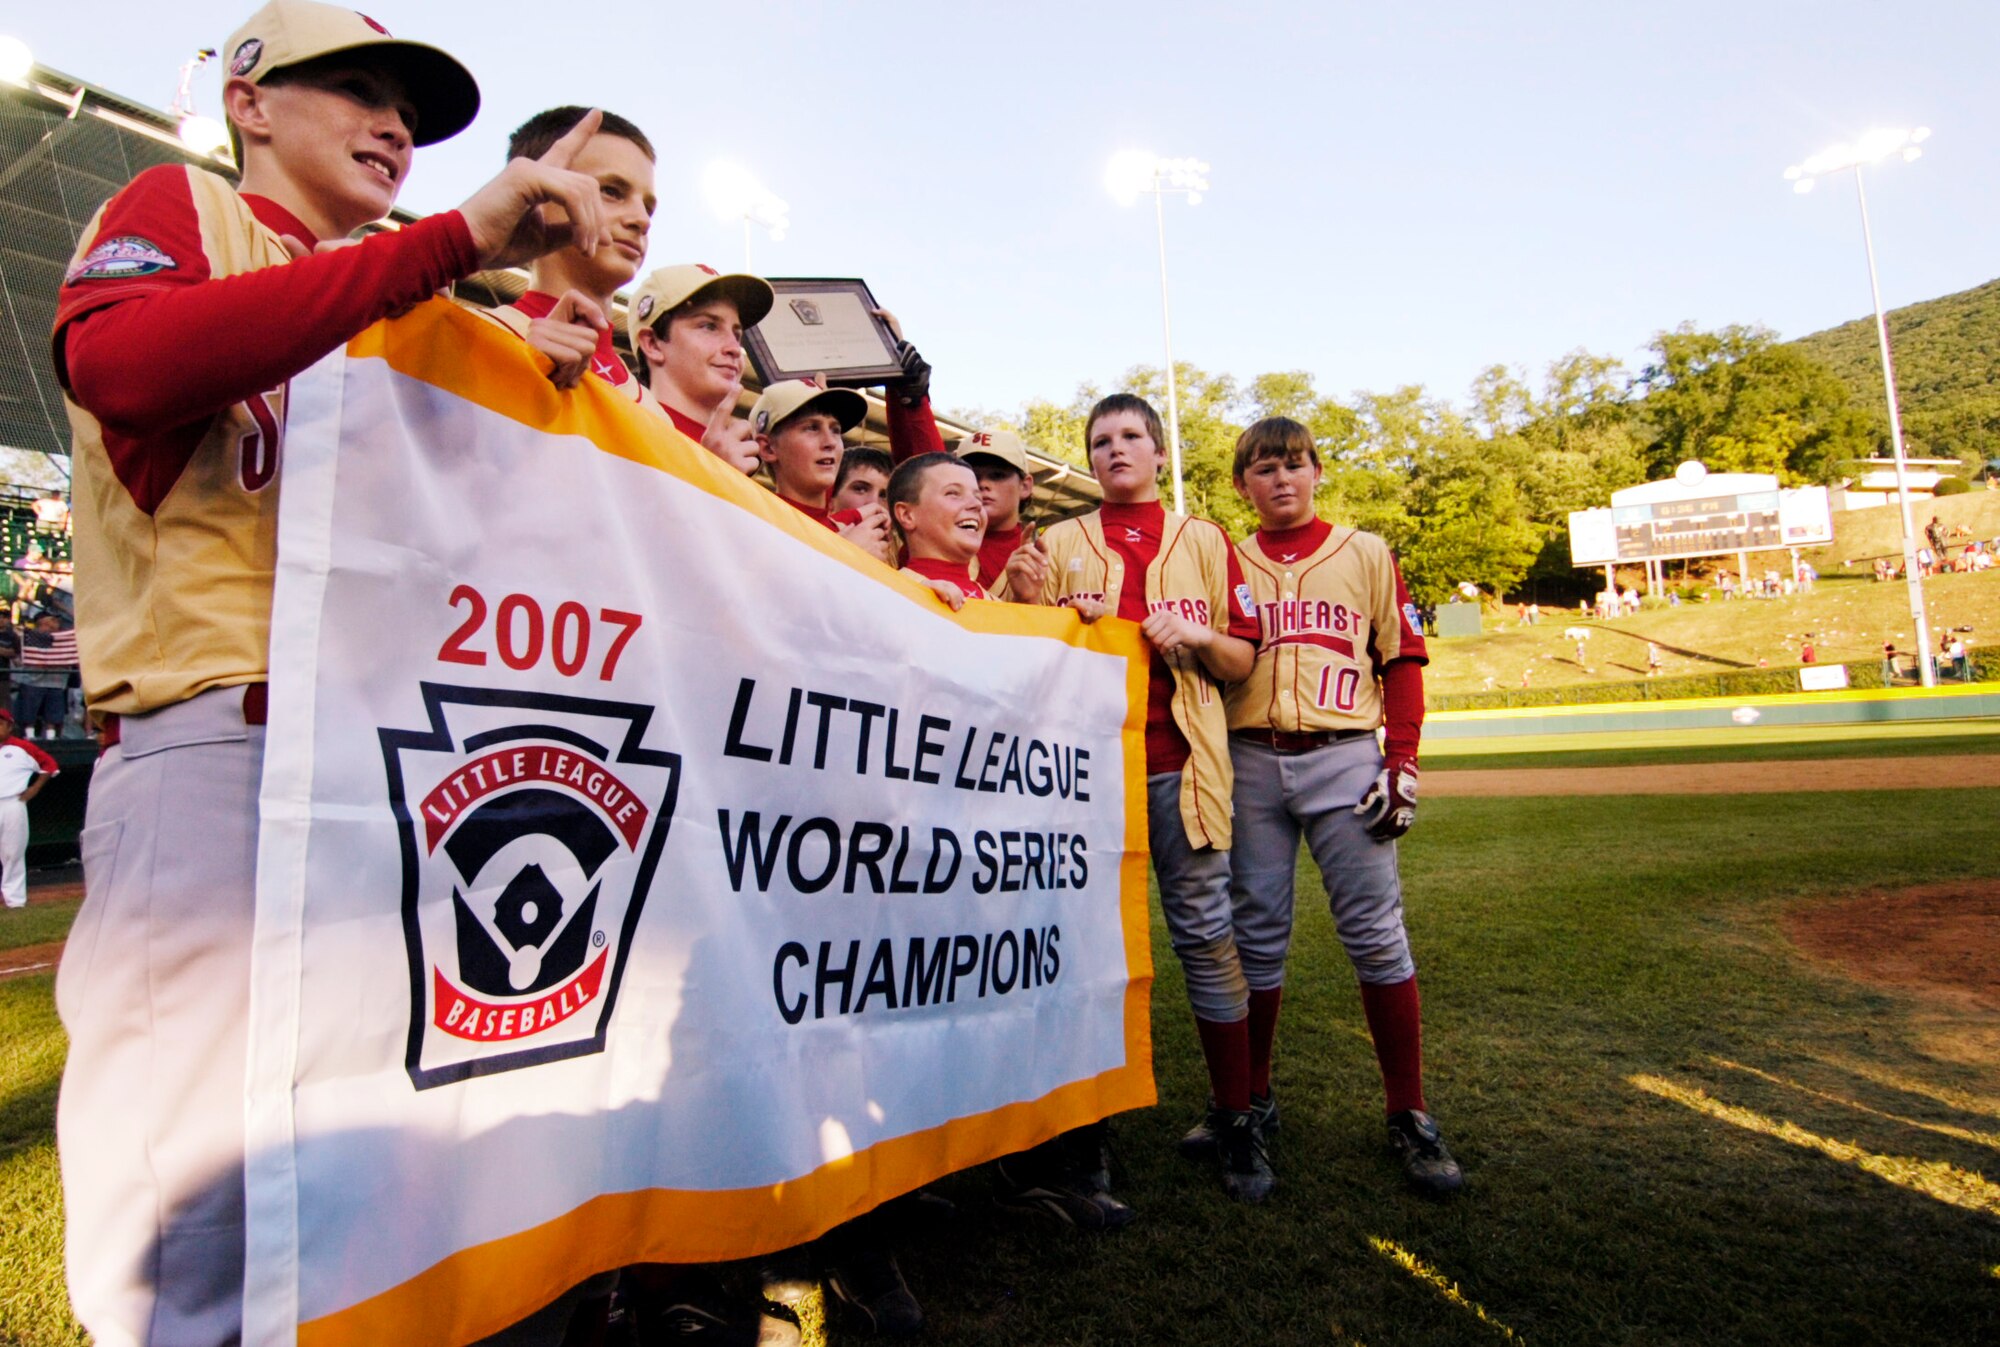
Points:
173	571
1332	611
1191	574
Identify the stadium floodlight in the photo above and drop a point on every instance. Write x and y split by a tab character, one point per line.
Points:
1873	147
1130	175
16	61
204	135
734	193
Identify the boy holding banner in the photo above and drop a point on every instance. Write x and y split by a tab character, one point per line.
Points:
187	309
1179	579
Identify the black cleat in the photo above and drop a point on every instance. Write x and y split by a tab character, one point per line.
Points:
1414	1137
700	1311
1199	1143
1246	1165
1073	1199
865	1278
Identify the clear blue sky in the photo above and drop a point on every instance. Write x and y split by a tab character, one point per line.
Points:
1402	194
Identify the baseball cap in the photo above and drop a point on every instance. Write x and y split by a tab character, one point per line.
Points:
786	399
290	32
1003	446
667	289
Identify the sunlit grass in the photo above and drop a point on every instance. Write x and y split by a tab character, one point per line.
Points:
1989	1139
1438	1282
1962	1100
1933	1178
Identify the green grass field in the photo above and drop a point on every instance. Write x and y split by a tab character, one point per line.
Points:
1755	743
1675	1129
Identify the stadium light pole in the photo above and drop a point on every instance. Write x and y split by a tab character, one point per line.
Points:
734	193
1872	148
1133	173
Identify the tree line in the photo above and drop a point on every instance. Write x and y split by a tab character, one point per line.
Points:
1482	491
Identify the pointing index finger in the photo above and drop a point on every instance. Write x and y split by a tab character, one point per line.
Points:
564	151
725	412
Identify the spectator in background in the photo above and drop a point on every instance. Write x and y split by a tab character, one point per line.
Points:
1961	667
1534	614
1888	662
41	683
10	655
52	513
1652	659
1807	654
1935	533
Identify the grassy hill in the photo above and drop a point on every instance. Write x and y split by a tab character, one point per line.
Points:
1947	354
1849	614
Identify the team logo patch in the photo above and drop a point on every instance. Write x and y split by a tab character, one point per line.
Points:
1414	618
644	308
531	827
244	59
117	259
1245	604
808	312
763	422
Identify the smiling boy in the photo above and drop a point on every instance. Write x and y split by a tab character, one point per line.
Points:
798	426
686	323
188	308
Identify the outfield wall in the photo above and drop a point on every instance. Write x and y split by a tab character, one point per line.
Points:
1858	706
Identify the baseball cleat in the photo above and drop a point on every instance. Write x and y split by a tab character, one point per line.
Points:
1199	1143
1069	1198
703	1312
1416	1141
867	1280
1246	1165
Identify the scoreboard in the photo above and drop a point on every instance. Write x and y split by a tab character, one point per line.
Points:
1751	521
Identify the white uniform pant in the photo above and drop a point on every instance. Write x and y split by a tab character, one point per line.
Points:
1194	899
14	852
154	990
1278	797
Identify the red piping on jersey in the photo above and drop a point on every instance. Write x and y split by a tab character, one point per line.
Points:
1324	640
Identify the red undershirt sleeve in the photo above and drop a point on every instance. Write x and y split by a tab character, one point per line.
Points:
171	357
1402	707
912	430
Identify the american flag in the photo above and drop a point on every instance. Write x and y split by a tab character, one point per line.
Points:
48	650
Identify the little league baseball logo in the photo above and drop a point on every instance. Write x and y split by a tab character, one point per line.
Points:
119	258
531	826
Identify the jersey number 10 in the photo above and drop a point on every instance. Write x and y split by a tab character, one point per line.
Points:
1345	684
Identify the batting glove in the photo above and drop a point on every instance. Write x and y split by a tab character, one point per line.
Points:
915	384
1390	806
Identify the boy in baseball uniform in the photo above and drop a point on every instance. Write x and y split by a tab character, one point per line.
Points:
1178	578
798	426
24	770
1340	658
187	309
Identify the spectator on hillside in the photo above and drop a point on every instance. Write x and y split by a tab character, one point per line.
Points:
1652	659
1888	662
1629	601
1534	614
1807	654
1935	532
1961	666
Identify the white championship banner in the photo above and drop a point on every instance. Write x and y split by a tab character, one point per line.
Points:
646	875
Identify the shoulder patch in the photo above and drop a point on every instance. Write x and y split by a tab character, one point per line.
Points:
121	258
1415	619
1244	603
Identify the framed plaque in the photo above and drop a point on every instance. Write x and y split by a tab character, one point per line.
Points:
823	327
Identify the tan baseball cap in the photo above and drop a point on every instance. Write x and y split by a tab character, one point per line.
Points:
667	289
291	32
784	400
1001	445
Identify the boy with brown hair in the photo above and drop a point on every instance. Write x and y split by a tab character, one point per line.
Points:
563	315
686	323
1178	578
798	426
189	306
864	478
1341	657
